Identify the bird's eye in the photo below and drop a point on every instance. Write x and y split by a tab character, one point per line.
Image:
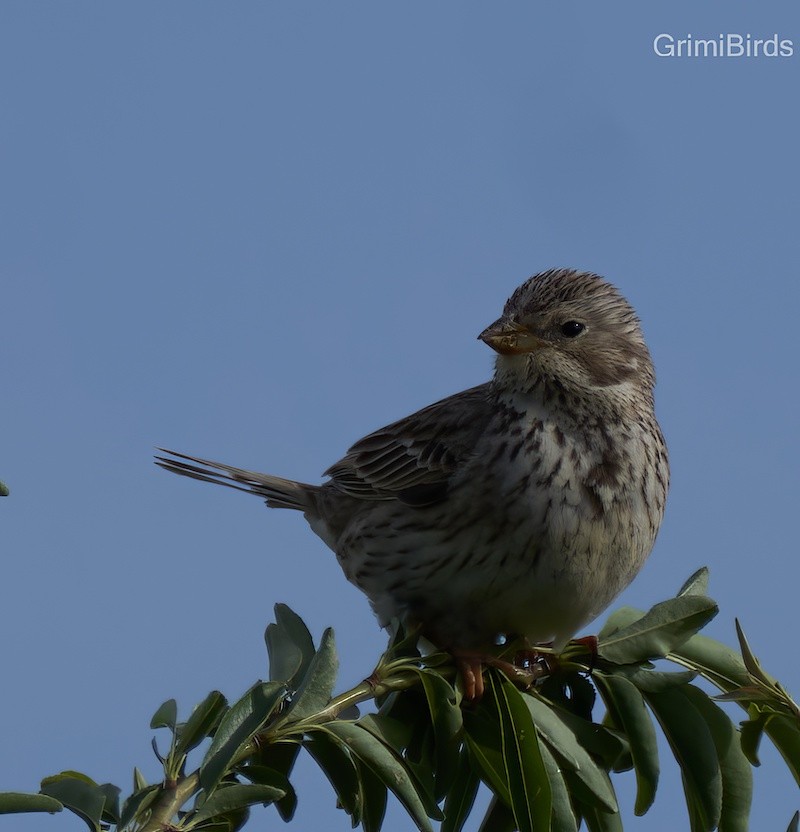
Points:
572	328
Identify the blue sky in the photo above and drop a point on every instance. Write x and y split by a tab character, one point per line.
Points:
257	231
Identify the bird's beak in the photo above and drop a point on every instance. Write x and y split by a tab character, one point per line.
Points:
509	337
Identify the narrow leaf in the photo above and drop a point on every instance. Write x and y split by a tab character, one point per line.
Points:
447	723
397	735
166	716
737	775
697	584
717	662
84	799
621	618
14	802
202	722
316	688
137	805
563	819
372	798
666	626
337	765
389	768
244	719
751	731
481	736
750	661
498	818
289	645
794	823
231	799
693	746
785	734
563	742
599	821
626	705
265	776
111	806
280	758
656	681
528	784
461	796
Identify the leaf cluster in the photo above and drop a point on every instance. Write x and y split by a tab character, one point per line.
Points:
532	739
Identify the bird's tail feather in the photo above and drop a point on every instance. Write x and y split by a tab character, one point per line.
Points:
277	491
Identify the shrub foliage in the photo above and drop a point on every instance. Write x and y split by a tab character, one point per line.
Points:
534	738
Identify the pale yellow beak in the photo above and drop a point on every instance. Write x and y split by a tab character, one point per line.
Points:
510	338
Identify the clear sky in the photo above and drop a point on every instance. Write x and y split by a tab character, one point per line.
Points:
256	231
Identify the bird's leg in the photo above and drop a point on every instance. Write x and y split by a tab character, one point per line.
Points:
586	644
471	663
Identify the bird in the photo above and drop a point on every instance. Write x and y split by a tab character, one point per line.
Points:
520	507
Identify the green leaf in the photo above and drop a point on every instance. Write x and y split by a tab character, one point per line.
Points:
785	734
316	688
737	775
79	794
528	784
717	662
697	584
137	805
289	645
4	492
397	735
388	768
337	765
571	691
666	626
482	738
724	668
498	818
626	705
618	620
461	795
447	723
656	681
166	716
244	719
563	818
111	806
750	661
201	724
563	742
280	758
599	741
794	823
750	737
138	780
232	799
692	744
372	798
266	776
14	802
599	821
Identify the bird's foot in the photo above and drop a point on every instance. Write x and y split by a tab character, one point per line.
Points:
528	667
470	668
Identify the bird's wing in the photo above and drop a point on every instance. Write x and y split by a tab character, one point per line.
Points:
413	459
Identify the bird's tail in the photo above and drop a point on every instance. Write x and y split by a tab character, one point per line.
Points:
277	491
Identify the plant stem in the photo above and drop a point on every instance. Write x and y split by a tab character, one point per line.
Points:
172	798
170	801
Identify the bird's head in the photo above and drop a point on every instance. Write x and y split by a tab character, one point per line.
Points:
572	328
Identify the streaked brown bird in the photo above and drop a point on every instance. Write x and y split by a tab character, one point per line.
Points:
522	506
